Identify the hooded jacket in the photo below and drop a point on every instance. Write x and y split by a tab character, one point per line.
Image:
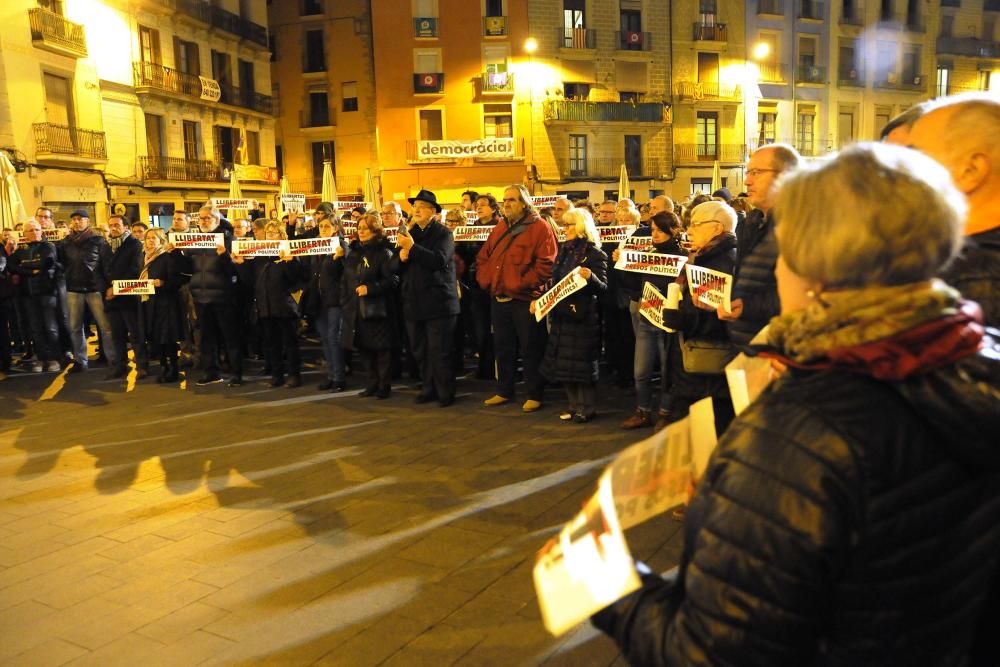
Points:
842	520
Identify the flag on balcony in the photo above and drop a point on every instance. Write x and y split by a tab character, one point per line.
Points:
11	205
430	80
579	38
329	191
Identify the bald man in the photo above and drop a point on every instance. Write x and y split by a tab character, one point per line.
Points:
972	156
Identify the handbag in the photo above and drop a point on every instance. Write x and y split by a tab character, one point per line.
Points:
373	309
705	357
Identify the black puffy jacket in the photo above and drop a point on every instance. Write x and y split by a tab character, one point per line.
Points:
212	275
324	274
841	521
38	266
274	282
85	257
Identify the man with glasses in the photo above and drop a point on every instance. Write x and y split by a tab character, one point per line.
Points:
755	291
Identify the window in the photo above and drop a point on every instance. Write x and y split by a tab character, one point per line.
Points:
349	96
700	186
577	154
222	73
848	68
708	69
633	154
226	141
272	45
319	109
426	61
942	84
707	135
313	54
882	117
494	8
192	140
989	28
279	159
58	100
253	147
911	65
912	13
498	121
495	58
767	122
54	6
247	88
310	7
576	91
805	130
629	96
845	128
630	22
431	124
149	45
947	25
885	12
154	135
322	151
574	24
186	57
773	44
983	80
807	53
885	63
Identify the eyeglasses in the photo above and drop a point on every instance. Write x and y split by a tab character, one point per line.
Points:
703	222
205	217
758	172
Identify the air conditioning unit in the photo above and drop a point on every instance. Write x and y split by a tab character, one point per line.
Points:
633	38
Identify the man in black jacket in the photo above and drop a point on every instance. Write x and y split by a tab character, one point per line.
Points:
123	311
35	262
430	297
86	258
213	278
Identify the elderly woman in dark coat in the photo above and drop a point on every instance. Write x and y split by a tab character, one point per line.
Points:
574	343
851	514
321	301
163	312
366	292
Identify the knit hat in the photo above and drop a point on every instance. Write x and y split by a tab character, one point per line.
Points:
724	193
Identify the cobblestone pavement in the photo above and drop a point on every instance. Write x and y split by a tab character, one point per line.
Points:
150	525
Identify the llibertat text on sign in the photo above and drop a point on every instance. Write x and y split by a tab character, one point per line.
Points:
615	233
573	282
123	287
652	305
472	233
254	248
650	262
195	241
710	287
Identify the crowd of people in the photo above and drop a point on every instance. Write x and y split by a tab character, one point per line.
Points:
850	516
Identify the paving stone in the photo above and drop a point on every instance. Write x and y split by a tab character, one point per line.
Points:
48	654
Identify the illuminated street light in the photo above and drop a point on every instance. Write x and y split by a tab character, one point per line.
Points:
530	45
761	50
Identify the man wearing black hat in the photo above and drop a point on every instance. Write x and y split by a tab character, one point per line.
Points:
86	259
426	264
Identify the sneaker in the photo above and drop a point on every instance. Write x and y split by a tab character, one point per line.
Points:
531	405
641	419
496	400
209	379
52	367
36	367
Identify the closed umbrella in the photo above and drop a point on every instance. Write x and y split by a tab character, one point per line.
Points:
370	193
234	193
329	192
283	189
716	176
11	205
624	190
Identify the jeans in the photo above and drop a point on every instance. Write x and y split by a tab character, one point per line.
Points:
95	304
329	323
43	318
650	348
514	327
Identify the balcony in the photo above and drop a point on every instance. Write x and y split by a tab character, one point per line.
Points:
851	78
991	6
347	185
425	27
151	76
568	111
494	26
413	155
496	83
52	32
577	38
316	118
810	11
195	9
697	153
609	168
770	8
852	16
698	91
634	41
160	168
428	83
810	74
894	81
715	32
249	173
915	23
69	145
772	73
968	46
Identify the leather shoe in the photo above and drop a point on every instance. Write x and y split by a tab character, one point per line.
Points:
339	387
583	419
446	401
641	419
236	381
531	405
496	400
382	394
277	380
294	381
325	385
424	398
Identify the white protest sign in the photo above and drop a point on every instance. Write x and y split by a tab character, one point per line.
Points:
210	89
294	202
391	233
471	217
350	228
254	248
747	378
615	234
703	435
650	262
637	243
573	282
317	246
712	288
57	234
587	567
244	204
544	200
195	241
472	233
652	305
341	206
120	287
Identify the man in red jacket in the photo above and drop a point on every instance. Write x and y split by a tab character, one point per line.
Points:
513	265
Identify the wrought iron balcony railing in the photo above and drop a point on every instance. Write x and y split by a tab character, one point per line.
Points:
773	73
808	9
715	32
317	118
693	91
497	82
196	9
51	30
153	75
968	46
161	168
627	112
729	153
53	139
810	74
851	78
494	26
577	38
852	16
609	169
772	7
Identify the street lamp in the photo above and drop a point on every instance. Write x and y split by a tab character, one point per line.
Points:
530	45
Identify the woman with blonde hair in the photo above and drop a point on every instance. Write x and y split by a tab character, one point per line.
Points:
163	313
851	514
574	343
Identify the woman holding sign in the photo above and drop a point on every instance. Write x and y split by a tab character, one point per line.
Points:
851	514
163	313
321	301
574	343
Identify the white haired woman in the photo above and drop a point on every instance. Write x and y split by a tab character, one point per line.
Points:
851	515
574	343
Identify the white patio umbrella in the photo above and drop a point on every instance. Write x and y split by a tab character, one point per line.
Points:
329	191
624	189
370	192
716	177
11	205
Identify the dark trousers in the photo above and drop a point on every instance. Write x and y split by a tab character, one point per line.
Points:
379	364
43	314
6	317
219	324
280	343
126	325
478	326
618	340
431	345
515	328
581	397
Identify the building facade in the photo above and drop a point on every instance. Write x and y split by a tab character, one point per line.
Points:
137	106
